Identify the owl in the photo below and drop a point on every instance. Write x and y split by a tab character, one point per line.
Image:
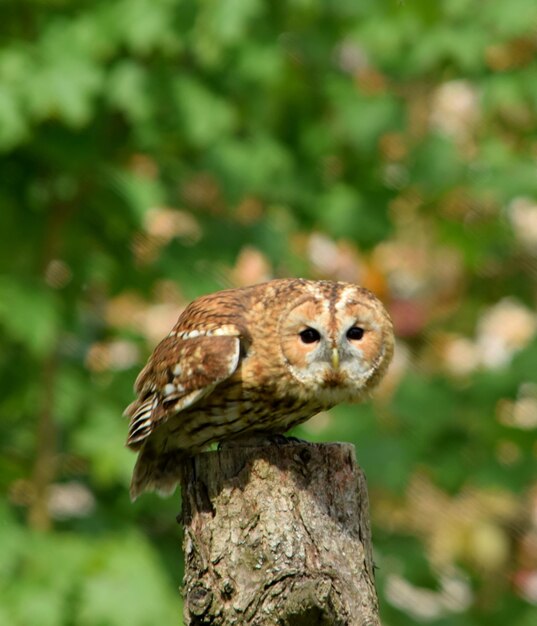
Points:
257	359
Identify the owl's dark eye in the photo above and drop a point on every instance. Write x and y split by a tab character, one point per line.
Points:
355	333
309	335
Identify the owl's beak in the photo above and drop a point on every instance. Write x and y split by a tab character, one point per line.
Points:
335	358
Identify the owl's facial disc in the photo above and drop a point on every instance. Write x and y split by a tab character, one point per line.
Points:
337	347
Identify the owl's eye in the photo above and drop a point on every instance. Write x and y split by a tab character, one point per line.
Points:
355	333
309	335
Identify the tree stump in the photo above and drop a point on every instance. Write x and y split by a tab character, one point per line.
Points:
278	535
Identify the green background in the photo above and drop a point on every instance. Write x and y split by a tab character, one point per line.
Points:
155	150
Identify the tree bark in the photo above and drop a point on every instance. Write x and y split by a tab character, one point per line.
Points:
278	535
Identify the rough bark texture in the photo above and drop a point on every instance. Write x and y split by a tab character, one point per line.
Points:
278	534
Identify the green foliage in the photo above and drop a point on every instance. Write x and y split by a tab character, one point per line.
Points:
36	324
154	150
67	577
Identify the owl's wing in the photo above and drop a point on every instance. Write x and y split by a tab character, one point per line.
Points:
182	370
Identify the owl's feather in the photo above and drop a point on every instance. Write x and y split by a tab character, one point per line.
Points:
181	372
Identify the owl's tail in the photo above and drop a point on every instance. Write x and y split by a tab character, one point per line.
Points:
157	471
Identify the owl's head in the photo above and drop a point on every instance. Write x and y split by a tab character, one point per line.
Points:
337	339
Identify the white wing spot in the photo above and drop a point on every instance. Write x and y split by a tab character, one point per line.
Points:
169	389
192	334
177	370
225	331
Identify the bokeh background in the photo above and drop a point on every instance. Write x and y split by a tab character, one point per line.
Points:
155	150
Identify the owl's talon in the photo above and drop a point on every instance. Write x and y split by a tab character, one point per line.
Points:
292	439
255	441
247	441
283	440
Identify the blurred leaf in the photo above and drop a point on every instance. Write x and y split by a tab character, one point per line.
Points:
146	24
128	90
140	193
222	23
342	213
204	116
101	439
29	315
259	165
13	127
122	576
361	119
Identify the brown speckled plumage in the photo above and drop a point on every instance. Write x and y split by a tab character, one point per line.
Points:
238	362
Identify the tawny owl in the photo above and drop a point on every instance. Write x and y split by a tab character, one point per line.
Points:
258	359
